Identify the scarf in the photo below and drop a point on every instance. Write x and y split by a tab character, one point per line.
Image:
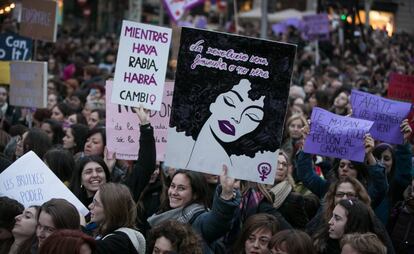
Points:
179	214
281	191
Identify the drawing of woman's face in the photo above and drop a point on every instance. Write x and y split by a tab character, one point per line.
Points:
234	114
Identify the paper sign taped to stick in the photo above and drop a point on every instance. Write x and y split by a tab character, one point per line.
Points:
39	19
401	87
337	136
122	126
31	182
387	115
28	84
229	104
141	65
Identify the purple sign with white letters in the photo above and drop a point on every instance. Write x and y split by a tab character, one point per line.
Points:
337	136
387	115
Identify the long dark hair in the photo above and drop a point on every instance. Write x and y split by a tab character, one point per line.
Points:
80	133
57	130
75	183
61	162
37	141
64	214
199	189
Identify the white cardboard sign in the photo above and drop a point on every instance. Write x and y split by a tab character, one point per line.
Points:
31	182
141	65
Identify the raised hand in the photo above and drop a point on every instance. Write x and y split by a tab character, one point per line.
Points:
406	130
143	115
369	144
109	159
227	184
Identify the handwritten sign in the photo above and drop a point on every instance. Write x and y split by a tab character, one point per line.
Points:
31	182
387	115
316	27
401	87
15	47
28	84
122	126
229	104
141	65
176	9
337	136
39	19
4	72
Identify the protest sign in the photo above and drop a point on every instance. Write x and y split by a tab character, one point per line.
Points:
337	136
176	9
31	182
316	27
122	126
4	72
15	47
28	84
229	104
141	65
401	87
387	115
39	19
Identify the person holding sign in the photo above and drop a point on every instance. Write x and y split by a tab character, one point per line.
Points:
187	203
398	166
371	173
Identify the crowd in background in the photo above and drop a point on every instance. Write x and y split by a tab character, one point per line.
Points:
316	205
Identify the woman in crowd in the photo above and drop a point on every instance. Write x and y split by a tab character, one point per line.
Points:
34	140
293	134
9	209
256	234
398	168
68	241
53	130
61	162
114	211
341	101
187	203
56	214
60	112
24	231
291	241
97	116
366	243
95	142
75	138
289	203
90	173
371	173
173	237
76	118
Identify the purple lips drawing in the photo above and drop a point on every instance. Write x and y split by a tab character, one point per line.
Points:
227	127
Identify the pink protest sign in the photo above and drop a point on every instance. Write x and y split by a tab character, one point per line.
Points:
122	126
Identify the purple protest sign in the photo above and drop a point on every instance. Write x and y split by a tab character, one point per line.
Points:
387	115
177	8
337	136
122	126
316	27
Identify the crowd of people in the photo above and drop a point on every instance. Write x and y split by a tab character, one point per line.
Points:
317	204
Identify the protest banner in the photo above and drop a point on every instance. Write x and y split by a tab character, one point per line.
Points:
176	9
386	114
15	47
316	27
39	19
4	72
141	65
229	104
122	126
401	87
337	136
28	84
31	182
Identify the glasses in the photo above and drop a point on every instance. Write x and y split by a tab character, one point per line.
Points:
348	195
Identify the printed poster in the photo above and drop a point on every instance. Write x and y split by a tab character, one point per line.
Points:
15	47
122	126
229	104
141	65
31	182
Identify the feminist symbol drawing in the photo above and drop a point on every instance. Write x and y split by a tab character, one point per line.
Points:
264	169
